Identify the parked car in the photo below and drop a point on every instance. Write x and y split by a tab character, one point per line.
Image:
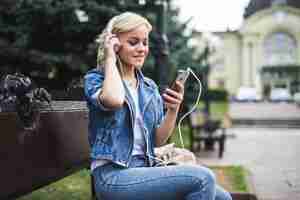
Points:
280	95
247	94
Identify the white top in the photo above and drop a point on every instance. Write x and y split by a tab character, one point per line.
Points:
139	143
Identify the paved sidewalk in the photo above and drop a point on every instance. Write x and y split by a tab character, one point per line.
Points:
271	155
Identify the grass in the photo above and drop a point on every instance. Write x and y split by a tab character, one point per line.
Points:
185	132
75	187
232	178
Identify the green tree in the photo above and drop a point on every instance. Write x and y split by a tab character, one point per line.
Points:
46	40
183	55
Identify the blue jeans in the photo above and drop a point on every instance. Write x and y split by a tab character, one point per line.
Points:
140	182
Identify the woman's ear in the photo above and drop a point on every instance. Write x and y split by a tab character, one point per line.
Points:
117	47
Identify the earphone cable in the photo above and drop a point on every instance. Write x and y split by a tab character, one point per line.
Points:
192	109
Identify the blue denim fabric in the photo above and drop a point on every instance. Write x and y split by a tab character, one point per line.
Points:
111	131
139	182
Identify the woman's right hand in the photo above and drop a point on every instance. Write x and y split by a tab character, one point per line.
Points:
111	46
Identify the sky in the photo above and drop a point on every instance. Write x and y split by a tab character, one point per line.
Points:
212	15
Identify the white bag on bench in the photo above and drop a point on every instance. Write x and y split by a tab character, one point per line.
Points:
171	155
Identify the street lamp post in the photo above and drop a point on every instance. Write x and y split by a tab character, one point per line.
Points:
161	50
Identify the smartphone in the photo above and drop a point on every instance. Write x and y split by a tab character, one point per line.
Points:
182	76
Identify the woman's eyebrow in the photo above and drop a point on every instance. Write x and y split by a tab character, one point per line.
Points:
137	38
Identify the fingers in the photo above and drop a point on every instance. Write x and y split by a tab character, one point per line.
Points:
171	100
176	92
179	87
108	37
173	96
112	42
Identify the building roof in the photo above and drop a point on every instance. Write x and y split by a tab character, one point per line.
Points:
257	5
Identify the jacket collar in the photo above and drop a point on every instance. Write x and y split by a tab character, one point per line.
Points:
146	81
140	76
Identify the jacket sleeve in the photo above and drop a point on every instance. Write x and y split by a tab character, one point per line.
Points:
93	83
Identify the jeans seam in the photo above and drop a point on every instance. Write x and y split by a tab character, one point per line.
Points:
154	179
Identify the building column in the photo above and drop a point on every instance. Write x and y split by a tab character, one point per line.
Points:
246	65
251	62
257	83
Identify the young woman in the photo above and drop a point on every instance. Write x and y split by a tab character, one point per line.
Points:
127	120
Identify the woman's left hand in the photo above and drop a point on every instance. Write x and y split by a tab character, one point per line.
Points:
174	97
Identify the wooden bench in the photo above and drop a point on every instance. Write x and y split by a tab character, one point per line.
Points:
57	148
206	132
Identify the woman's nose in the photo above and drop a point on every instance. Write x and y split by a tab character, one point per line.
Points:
141	47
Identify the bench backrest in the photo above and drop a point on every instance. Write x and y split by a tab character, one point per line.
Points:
57	148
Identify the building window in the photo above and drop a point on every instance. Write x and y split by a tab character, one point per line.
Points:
280	49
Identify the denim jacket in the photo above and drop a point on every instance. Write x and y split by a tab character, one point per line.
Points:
111	131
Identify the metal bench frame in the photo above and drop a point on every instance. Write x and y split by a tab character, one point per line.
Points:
209	137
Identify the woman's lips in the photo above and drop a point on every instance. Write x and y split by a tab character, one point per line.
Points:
138	56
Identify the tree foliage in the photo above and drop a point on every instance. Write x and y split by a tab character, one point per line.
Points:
45	39
183	56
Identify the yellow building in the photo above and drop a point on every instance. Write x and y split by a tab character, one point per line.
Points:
264	53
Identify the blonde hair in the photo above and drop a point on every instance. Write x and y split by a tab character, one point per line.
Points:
124	22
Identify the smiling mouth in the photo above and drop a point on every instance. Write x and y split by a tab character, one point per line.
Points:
139	57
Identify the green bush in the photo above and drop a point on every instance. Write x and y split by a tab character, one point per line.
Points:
217	95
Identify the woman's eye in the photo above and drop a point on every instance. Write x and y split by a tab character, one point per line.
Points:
132	43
